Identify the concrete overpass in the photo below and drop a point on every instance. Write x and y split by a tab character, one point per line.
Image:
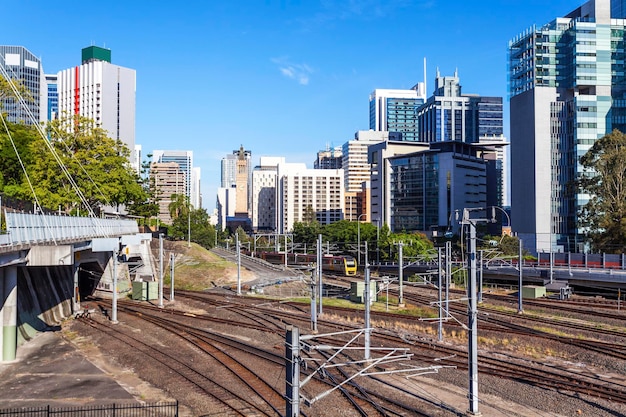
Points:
48	263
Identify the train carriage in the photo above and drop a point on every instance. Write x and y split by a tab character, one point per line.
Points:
342	264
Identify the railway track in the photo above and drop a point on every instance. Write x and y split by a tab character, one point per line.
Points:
535	373
225	400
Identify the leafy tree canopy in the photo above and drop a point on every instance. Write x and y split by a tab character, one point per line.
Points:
604	179
76	161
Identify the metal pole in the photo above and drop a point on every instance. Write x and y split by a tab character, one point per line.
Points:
114	302
440	327
387	288
367	262
480	277
400	279
313	300
238	264
172	276
448	274
366	300
551	263
520	309
472	317
188	223
358	239
377	241
320	259
292	369
161	270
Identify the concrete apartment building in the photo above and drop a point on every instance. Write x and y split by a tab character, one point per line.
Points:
168	180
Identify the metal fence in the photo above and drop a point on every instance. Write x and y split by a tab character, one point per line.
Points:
25	228
169	409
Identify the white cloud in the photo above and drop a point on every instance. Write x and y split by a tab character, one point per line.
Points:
298	72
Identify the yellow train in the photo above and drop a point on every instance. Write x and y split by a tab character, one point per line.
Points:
342	264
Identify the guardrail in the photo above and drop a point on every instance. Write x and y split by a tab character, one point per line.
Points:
27	229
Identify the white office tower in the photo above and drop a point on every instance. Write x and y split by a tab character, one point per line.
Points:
225	205
501	149
301	190
356	170
136	161
196	193
19	64
184	159
264	179
101	91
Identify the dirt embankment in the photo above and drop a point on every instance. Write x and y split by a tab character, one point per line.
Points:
196	268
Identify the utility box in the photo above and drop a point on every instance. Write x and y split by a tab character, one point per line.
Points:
145	290
533	291
357	289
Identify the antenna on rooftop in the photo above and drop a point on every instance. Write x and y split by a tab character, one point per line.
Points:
425	89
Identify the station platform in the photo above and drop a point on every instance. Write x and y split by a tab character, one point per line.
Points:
48	370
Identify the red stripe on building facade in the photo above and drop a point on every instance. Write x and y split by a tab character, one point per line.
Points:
76	90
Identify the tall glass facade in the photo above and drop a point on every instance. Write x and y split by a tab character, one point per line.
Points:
450	115
53	96
396	112
574	68
21	65
414	192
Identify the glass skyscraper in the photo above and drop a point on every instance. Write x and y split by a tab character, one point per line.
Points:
19	64
567	89
395	111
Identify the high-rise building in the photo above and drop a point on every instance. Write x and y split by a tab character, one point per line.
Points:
241	184
450	115
184	159
302	190
328	158
356	171
428	186
380	179
52	97
225	206
168	180
264	202
567	90
229	167
101	91
395	111
19	64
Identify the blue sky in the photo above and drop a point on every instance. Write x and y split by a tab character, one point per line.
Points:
280	77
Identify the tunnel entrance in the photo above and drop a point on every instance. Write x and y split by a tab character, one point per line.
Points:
89	275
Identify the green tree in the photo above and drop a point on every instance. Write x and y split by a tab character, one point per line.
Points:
11	89
604	179
150	206
179	206
413	244
202	232
306	233
18	138
78	164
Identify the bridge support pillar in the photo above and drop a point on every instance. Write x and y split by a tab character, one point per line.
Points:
76	292
8	312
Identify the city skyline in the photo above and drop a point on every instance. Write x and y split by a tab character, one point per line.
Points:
281	78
